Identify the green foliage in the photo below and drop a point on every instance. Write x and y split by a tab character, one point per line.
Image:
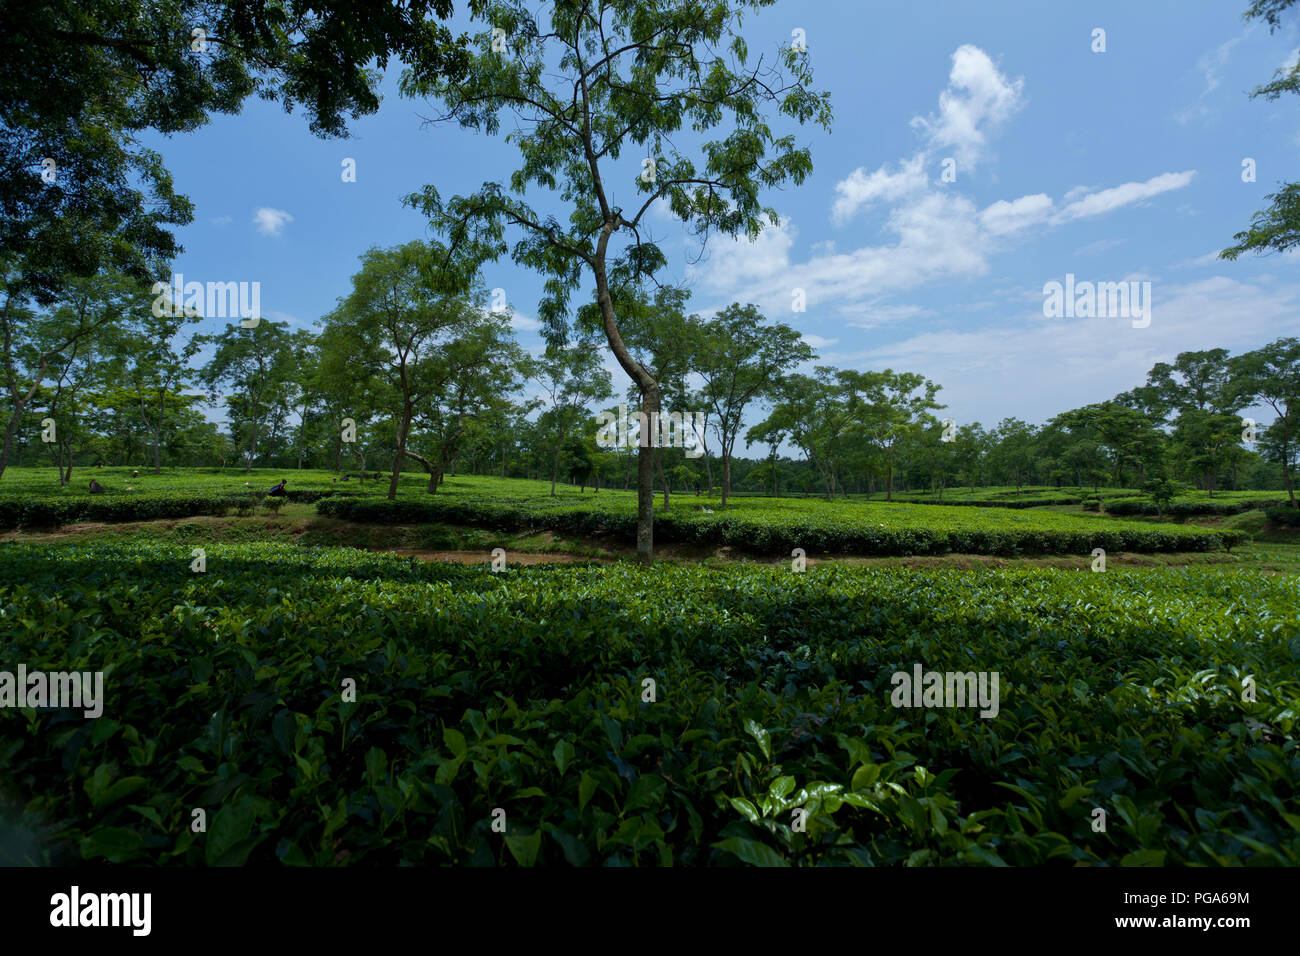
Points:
771	525
523	691
145	506
1284	515
780	525
31	497
96	76
1223	503
1004	497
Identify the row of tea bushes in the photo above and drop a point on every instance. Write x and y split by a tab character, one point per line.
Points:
778	526
522	698
1189	507
36	511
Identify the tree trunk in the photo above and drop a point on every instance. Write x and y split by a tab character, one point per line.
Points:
403	427
659	464
20	408
434	473
252	451
726	472
645	510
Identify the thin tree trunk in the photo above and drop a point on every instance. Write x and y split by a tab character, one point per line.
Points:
434	473
403	428
659	464
726	472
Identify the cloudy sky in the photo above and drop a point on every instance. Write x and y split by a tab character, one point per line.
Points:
1123	165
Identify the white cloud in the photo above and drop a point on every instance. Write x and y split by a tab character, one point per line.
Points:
874	315
1210	258
1003	218
817	342
938	235
1101	245
735	262
933	233
862	188
1211	67
978	98
1058	364
523	323
293	321
1109	200
270	221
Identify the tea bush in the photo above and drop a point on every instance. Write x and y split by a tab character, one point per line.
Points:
1191	507
779	526
524	691
1284	515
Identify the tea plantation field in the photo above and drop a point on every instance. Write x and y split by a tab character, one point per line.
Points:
1116	501
31	498
522	697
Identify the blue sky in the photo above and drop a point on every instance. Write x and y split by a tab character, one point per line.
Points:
1117	166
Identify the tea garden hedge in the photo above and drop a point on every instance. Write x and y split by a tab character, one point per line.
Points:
521	697
772	526
779	526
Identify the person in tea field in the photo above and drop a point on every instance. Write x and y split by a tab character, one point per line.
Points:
95	487
278	490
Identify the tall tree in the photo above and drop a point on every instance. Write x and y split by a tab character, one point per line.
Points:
1014	451
813	413
600	82
1272	375
258	367
887	406
741	359
469	378
664	340
350	396
571	377
155	371
34	344
403	314
82	81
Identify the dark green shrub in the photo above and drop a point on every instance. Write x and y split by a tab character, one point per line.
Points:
1284	515
524	690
